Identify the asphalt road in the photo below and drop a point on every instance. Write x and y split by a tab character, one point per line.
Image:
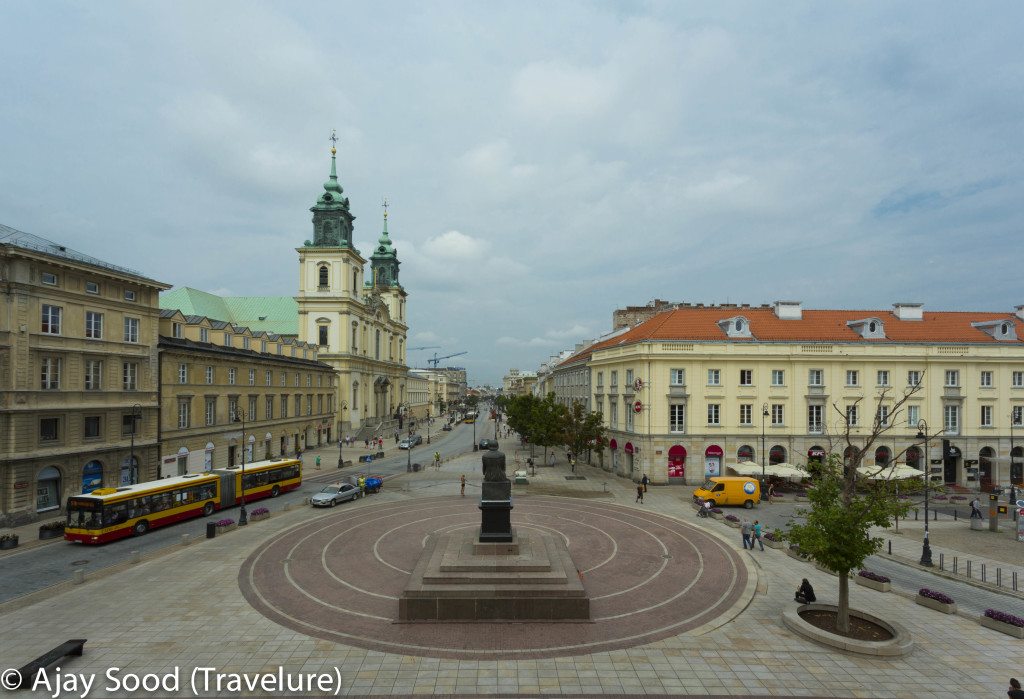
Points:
23	572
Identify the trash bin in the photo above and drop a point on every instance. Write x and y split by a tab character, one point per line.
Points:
211	530
416	467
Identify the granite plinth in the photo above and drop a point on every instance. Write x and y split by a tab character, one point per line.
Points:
496	518
453	583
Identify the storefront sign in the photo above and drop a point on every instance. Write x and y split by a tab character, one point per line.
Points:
638	407
1020	525
21	485
638	384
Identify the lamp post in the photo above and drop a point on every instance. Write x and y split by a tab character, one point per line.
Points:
408	452
428	423
133	469
764	455
344	405
243	519
1013	489
926	549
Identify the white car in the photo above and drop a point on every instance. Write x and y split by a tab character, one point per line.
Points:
331	495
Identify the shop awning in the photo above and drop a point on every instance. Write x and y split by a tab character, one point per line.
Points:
895	472
745	468
749	468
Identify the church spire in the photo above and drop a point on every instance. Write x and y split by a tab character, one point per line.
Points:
385	258
332	220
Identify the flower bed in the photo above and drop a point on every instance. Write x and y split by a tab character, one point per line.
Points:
258	514
51	530
732	521
1003	622
8	541
866	578
716	512
225	525
959	498
772	540
939	498
936	600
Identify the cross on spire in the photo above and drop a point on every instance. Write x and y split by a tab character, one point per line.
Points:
385	205
334	141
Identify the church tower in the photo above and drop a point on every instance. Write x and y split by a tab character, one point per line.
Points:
358	325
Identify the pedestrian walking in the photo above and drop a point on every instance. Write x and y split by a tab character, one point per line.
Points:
745	529
1015	692
644	481
462	485
366	442
757	536
317	462
976	509
396	438
437	461
771	492
640	494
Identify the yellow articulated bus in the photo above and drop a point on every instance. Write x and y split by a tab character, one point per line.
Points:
106	514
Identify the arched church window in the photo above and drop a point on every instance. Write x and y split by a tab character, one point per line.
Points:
323	276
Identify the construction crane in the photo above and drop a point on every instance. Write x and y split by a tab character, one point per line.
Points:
413	349
437	359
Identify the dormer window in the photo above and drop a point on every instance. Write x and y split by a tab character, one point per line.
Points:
735	327
868	328
1002	330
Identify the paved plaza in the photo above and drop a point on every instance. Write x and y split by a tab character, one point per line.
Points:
679	607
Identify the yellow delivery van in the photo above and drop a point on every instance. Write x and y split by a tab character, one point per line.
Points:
730	490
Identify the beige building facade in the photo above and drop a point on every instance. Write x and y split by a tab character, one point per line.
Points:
78	376
692	390
216	378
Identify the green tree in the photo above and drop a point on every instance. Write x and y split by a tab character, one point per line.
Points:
547	423
845	504
583	430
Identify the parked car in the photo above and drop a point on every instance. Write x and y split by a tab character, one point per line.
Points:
486	444
331	495
410	442
447	427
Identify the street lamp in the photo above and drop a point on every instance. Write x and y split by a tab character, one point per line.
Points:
408	451
343	406
133	468
243	519
764	454
926	550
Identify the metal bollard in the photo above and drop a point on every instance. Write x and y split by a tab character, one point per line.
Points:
968	567
954	566
890	547
915	515
186	539
136	556
955	513
983	572
942	561
1014	581
999	577
78	575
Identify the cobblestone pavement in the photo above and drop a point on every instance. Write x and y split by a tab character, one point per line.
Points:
185	609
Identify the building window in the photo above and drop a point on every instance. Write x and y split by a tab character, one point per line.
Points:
714	414
130	376
50	375
914	378
746	413
211	411
600	379
354	329
852	377
951	419
1017	415
714	377
319	380
322	329
93	375
269	377
232	376
91	427
263	346
815	377
232	409
252	377
814	423
204	335
284	379
986	416
51	320
245	343
252	408
882	415
913	415
615	379
93	325
952	378
129	295
49	429
269	408
209	375
629	417
309	405
176	330
778	377
746	377
49	278
131	329
92	288
851	415
777	414
298	405
183	373
677	377
883	377
986	379
320	405
1018	379
184	413
629	377
324	281
298	379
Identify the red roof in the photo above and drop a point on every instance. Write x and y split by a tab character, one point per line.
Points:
701	324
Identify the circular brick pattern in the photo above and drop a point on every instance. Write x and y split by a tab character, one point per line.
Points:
339	577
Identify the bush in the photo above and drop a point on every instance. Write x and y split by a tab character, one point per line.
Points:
260	511
8	537
771	536
937	596
1004	617
732	518
873	576
226	522
57	525
939	497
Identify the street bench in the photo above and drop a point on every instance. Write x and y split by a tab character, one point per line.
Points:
29	671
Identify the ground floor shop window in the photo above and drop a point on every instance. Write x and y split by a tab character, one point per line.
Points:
92	476
48	489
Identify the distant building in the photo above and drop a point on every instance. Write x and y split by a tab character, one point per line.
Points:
631	316
519	383
78	376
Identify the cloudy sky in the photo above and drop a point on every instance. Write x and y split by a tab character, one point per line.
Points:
546	162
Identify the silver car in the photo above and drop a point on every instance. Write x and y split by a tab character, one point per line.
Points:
331	495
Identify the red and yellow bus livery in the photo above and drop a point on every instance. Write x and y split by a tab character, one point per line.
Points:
107	514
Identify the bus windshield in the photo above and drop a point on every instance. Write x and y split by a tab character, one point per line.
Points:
85	513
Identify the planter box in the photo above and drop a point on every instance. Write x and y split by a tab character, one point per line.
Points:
9	544
715	515
935	604
224	530
774	544
257	518
51	533
734	525
873	584
1002	627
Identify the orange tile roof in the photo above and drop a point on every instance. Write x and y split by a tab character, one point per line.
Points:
701	324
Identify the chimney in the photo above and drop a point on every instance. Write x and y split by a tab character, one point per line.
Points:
789	310
909	311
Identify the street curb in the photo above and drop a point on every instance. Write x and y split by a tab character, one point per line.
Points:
947	575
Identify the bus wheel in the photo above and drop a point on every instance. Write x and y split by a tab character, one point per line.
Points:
207	509
141	527
275	491
748	504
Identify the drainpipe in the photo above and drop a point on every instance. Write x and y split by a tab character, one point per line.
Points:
159	401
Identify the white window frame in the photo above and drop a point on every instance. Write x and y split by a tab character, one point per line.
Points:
985	379
49	278
92	288
778	377
852	377
677	418
93	375
1018	379
986	416
815	414
746	377
818	374
914	377
252	377
129	376
50	320
211	412
204	334
714	414
951	419
184	413
913	415
883	415
852	415
1017	415
883	377
182	373
49	376
714	377
232	376
952	379
746	413
269	376
129	295
176	331
778	415
131	330
677	377
94	325
209	375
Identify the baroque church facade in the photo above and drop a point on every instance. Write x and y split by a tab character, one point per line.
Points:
354	312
